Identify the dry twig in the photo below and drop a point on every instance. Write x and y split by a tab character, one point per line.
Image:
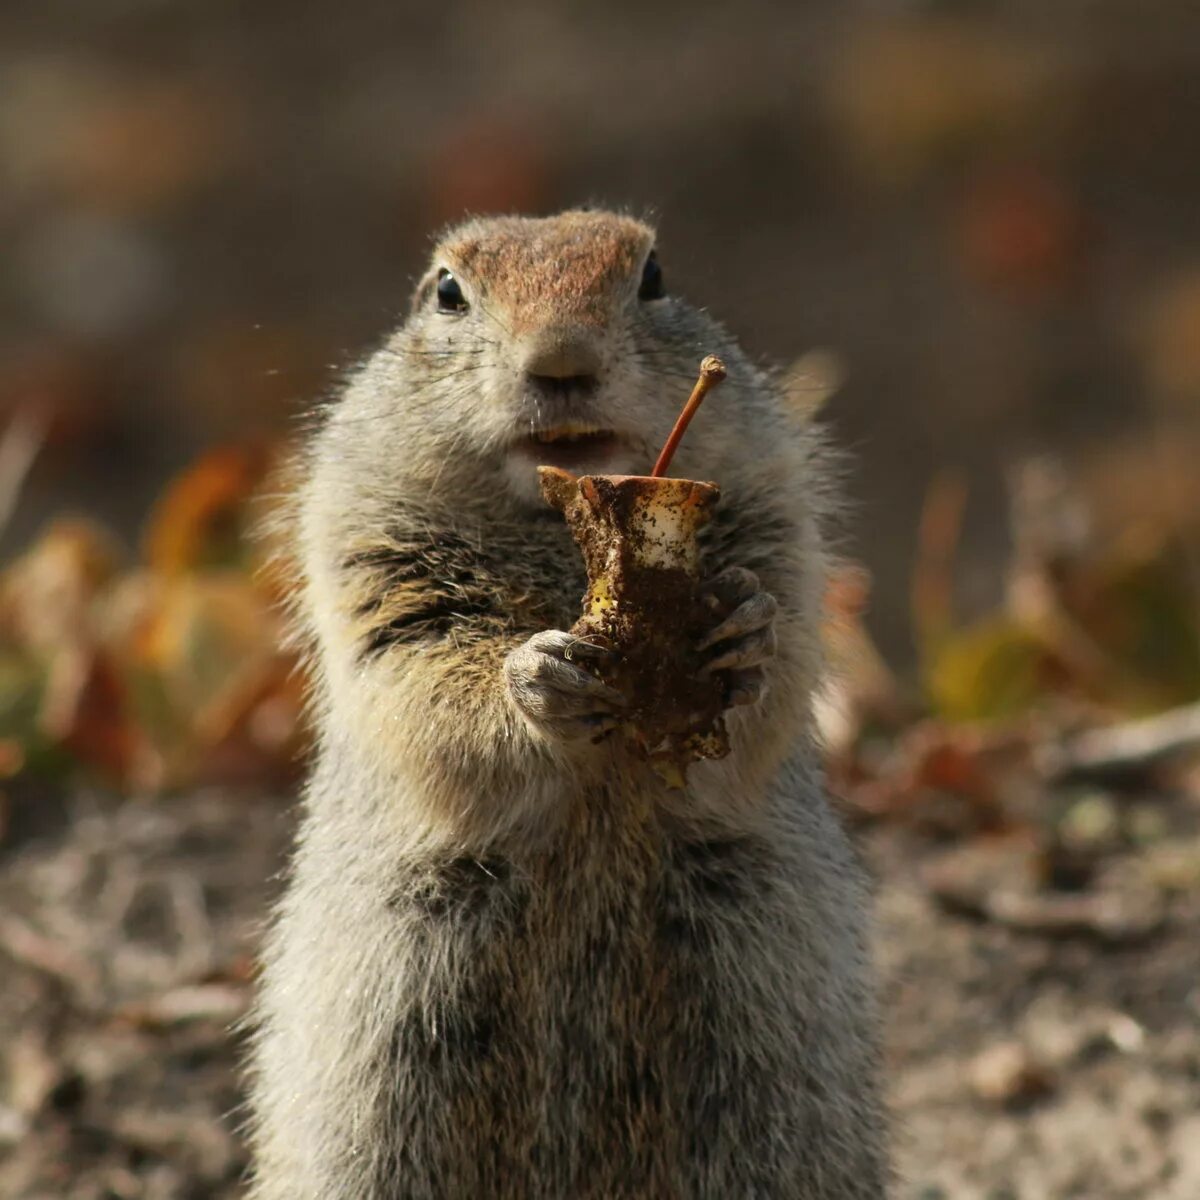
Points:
1129	748
20	445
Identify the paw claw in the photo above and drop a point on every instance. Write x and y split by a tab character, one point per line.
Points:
729	588
750	616
751	651
554	693
581	650
746	687
743	638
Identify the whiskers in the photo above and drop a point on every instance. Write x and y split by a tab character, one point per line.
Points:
467	372
663	364
664	356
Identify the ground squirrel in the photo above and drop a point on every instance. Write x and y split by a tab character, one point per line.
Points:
511	961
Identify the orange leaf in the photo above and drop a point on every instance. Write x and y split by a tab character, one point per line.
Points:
200	518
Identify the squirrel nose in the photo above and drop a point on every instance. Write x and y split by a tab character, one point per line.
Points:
563	357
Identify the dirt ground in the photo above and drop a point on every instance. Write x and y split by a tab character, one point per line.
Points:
1044	1047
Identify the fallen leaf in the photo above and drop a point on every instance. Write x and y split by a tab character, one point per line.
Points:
47	595
86	710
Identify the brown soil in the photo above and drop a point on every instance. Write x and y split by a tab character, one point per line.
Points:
1024	1065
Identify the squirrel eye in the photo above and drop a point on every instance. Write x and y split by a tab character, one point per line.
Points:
651	287
449	294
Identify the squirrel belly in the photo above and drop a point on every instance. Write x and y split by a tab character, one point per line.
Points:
510	960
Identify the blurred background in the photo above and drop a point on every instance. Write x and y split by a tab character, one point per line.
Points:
986	210
972	222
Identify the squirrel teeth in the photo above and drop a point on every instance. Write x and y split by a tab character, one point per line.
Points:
570	434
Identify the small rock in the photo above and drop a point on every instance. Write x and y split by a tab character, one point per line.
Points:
33	1074
13	1126
1006	1074
1093	821
1125	1033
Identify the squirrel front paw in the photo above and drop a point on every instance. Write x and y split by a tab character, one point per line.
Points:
743	639
560	698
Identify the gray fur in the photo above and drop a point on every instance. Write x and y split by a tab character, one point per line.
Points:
509	962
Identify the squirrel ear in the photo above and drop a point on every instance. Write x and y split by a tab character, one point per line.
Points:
651	286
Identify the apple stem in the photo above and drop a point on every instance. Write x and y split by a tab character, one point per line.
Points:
712	371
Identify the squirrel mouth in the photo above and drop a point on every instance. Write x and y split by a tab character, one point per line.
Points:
571	445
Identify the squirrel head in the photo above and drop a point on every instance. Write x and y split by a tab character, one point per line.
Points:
551	341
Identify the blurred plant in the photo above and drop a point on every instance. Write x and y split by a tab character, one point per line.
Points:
169	672
117	141
1022	233
159	675
1115	627
919	95
1172	335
